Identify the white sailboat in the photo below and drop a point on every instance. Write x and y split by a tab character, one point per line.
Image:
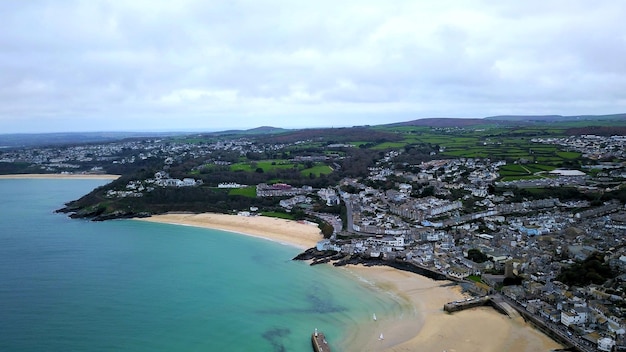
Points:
374	316
381	336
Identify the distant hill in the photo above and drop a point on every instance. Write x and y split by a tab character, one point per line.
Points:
16	140
441	122
506	120
253	131
333	135
555	118
265	130
579	124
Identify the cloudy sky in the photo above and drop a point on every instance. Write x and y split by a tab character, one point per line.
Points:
208	65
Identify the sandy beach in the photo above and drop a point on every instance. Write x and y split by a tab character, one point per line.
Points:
422	326
289	232
429	328
60	176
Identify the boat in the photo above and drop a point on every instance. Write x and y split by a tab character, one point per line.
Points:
374	317
381	337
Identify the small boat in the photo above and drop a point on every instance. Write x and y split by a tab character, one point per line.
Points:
374	317
381	336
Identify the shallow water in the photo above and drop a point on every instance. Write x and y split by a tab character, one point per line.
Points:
138	286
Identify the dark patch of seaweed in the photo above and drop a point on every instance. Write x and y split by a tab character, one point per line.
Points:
275	337
321	301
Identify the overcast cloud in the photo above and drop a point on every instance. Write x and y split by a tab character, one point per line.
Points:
208	65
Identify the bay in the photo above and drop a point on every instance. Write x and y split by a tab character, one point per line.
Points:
125	285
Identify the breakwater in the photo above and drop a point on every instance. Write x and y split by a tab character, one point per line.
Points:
318	340
513	310
456	306
418	269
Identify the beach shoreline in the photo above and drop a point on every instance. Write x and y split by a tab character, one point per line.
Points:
60	176
301	235
422	325
426	327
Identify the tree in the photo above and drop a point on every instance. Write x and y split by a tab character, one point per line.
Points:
591	270
477	256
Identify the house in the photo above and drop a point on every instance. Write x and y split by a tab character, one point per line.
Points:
606	344
574	316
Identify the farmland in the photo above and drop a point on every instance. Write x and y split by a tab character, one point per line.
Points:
525	158
265	166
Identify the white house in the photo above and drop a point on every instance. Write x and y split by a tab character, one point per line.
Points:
606	344
575	316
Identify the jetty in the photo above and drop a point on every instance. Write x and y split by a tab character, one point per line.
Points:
513	310
319	342
495	301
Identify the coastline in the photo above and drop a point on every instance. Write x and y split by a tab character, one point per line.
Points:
478	329
422	324
60	176
288	232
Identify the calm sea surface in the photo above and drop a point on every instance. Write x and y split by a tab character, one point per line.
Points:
74	285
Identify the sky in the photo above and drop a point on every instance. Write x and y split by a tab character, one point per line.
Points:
189	65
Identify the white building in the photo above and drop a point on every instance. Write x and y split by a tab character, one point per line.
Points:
388	241
575	316
606	344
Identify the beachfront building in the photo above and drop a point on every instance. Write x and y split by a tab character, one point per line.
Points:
395	242
574	316
293	201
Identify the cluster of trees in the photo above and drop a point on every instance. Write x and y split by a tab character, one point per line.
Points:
592	270
162	200
477	256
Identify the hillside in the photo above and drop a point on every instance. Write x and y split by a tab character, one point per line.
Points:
440	122
555	118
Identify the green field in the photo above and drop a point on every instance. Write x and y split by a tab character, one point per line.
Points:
496	143
568	155
249	192
266	165
390	145
276	214
317	170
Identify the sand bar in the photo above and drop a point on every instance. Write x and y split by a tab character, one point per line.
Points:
302	235
61	176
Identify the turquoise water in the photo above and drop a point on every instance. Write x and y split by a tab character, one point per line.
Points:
74	285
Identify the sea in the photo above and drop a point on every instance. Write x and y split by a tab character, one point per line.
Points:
127	285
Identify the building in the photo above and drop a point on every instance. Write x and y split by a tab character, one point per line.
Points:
574	316
277	190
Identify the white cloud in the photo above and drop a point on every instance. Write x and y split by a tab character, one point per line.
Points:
87	65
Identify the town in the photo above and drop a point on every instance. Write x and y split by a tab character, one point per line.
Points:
515	226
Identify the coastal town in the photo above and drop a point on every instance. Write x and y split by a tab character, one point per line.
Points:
455	216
